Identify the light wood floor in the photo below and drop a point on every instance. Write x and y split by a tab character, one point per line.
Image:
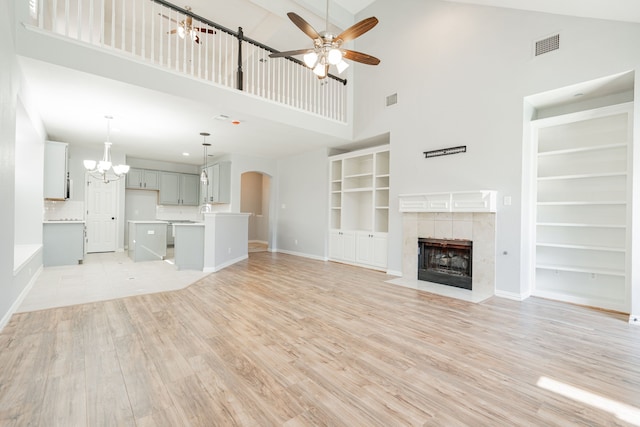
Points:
282	340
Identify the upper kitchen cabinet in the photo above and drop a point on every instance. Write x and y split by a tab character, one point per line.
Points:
56	170
219	188
143	179
178	189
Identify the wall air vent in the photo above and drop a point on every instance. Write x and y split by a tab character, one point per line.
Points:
548	45
392	99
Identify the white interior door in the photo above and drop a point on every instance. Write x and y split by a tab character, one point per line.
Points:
102	208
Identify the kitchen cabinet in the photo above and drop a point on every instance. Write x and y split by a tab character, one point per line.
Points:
143	179
63	243
178	189
56	170
582	203
359	207
219	188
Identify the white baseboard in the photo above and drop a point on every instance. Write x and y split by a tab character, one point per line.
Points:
225	264
394	273
300	254
634	319
18	301
511	295
263	242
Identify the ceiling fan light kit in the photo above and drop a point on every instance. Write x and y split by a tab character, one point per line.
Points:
327	48
185	27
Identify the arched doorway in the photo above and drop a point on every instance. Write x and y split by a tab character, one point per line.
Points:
255	196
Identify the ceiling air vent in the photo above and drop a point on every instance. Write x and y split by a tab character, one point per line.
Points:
548	45
392	99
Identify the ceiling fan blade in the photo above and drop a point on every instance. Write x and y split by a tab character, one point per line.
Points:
167	17
205	30
360	57
358	29
290	53
303	25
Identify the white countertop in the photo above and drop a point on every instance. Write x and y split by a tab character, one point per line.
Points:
63	221
151	221
188	224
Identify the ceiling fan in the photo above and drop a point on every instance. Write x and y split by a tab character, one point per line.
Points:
186	28
327	47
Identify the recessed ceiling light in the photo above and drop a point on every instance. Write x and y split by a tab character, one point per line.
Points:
185	154
221	117
578	94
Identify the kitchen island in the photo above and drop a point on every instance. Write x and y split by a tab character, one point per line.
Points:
220	240
147	240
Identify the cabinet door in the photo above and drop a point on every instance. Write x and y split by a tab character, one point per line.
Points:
189	189
364	248
220	183
336	245
150	181
134	178
379	258
55	170
349	240
169	188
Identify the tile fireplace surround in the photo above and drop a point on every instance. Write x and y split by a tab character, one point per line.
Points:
479	227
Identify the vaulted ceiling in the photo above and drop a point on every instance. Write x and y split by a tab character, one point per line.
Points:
64	111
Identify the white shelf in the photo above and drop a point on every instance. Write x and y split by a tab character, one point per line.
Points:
576	269
358	190
359	175
382	207
582	149
386	175
573	224
382	188
582	176
583	203
584	247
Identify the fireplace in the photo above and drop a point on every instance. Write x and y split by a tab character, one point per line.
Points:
445	261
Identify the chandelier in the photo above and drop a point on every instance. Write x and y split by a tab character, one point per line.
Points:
104	169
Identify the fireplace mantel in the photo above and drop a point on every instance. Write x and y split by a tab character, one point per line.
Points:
459	201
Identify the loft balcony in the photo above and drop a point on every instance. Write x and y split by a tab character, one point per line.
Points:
161	35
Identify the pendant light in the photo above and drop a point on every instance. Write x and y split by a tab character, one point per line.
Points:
204	177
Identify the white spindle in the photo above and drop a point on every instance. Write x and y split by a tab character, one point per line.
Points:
124	26
91	19
133	27
41	13
66	18
79	21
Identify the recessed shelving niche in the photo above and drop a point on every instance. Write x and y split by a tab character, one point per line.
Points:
582	193
359	201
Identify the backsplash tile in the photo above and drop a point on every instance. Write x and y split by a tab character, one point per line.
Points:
55	210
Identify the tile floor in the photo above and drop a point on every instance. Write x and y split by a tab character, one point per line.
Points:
105	276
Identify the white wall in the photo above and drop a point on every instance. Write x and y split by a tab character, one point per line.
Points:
461	73
28	180
302	204
8	102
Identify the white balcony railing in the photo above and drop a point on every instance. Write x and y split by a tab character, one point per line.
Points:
143	28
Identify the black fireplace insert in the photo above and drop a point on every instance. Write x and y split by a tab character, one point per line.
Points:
445	261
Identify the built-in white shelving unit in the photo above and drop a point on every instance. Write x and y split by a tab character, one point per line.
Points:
582	209
359	207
